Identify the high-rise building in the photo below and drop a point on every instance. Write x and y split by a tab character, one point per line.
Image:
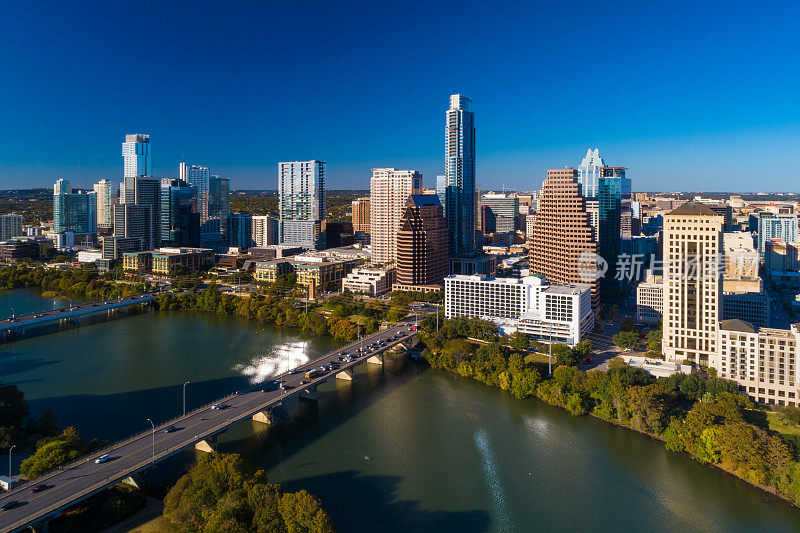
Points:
389	192
422	244
136	155
692	276
198	177
140	215
589	173
219	199
265	230
499	213
240	230
105	204
771	227
10	226
361	215
301	203
73	211
561	245
459	182
180	221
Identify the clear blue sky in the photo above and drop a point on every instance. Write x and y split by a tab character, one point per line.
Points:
686	95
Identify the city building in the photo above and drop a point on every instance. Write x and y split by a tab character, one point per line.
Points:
23	249
265	230
139	262
751	306
219	200
650	299
136	156
422	261
763	361
389	191
105	204
692	283
370	281
268	271
73	211
172	261
360	214
562	248
180	221
240	230
10	226
459	180
140	214
499	213
548	313
771	227
198	177
114	247
301	203
338	234
314	271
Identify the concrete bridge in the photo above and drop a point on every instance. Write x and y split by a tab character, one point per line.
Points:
21	324
125	460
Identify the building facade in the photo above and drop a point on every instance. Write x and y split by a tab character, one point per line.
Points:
771	227
370	281
265	230
459	180
422	243
360	214
73	211
499	213
10	226
302	203
105	204
240	230
136	156
650	299
390	190
180	221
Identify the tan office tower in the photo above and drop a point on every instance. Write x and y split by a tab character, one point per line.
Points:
360	214
692	283
422	258
562	233
389	190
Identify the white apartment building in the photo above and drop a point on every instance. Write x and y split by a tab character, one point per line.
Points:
301	203
10	226
371	281
265	230
136	156
650	299
692	291
561	313
105	204
389	192
763	361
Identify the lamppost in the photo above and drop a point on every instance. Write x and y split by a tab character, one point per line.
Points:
550	351
154	440
9	465
184	398
13	314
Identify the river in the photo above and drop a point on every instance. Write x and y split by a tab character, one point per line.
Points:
401	448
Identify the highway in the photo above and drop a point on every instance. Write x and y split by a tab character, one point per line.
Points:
85	477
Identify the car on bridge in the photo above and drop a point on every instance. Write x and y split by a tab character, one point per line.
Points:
102	459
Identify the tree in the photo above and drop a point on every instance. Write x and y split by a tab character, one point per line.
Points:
56	452
13	407
302	513
626	339
519	341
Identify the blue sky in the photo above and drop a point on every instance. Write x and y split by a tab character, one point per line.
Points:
687	96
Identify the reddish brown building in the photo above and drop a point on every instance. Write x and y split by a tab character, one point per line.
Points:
422	243
562	231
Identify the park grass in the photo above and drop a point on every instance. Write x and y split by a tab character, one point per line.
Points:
537	357
776	424
157	525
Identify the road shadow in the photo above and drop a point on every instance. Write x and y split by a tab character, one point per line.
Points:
8	367
368	503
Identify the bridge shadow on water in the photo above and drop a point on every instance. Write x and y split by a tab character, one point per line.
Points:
368	503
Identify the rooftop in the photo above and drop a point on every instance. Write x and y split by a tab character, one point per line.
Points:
693	209
735	324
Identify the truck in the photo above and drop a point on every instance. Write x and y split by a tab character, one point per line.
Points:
314	372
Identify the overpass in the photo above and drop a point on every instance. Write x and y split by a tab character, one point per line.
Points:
83	478
72	314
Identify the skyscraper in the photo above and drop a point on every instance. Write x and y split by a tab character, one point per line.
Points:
180	221
197	176
105	204
265	230
73	211
562	241
360	214
692	283
589	173
771	227
143	219
459	182
499	213
422	243
301	203
240	230
219	199
389	191
136	154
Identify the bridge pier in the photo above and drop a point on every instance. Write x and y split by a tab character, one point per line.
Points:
208	445
376	359
346	374
265	417
310	393
134	480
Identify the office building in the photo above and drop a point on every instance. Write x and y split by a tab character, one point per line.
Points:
140	215
389	189
422	244
692	283
180	221
73	211
499	213
546	312
136	156
650	299
199	177
105	204
370	281
219	200
10	226
562	249
265	230
770	227
751	306
589	173
742	259
459	181
240	230
361	215
302	203
114	247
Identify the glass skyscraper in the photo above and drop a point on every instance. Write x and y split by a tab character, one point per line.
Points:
180	221
136	153
459	180
73	212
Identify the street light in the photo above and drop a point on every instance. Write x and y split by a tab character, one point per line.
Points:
154	440
184	398
9	465
13	314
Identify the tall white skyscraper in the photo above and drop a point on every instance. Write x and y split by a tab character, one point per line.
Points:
136	154
692	283
589	173
459	182
389	190
105	204
301	203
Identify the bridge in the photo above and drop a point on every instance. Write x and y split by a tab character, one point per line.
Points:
21	323
81	479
